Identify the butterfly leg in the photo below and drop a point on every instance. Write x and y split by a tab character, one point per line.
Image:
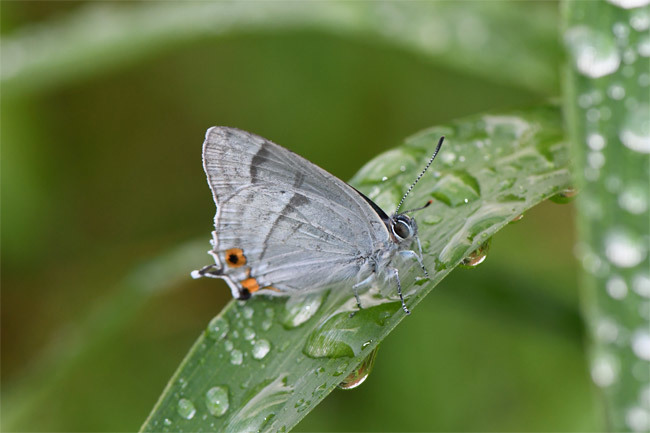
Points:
359	284
395	274
413	255
211	271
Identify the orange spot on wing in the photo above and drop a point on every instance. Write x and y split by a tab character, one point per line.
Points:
235	257
275	289
250	284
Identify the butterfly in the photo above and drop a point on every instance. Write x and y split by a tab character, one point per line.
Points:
285	226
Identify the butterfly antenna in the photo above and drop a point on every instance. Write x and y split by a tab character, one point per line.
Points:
421	174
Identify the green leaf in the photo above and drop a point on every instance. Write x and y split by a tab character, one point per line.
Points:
608	107
97	38
264	363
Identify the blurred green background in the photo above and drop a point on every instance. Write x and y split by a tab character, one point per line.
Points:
101	172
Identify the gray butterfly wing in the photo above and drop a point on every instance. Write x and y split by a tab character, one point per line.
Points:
283	223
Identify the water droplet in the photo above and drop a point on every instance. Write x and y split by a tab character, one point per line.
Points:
641	285
517	218
248	312
218	328
266	325
616	92
270	313
216	399
506	183
621	31
594	54
261	348
340	369
236	357
640	20
565	196
596	160
604	370
477	256
361	372
300	308
167	422
641	344
634	199
259	404
343	336
616	287
302	405
596	142
248	333
385	166
623	250
606	330
186	408
629	4
457	188
638	419
635	133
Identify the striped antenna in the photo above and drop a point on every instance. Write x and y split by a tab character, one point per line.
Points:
421	174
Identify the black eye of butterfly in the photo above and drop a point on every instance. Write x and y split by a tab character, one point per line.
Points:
402	229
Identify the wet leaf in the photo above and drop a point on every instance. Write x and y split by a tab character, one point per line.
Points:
492	168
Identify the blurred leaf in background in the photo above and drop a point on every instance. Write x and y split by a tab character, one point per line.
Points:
104	107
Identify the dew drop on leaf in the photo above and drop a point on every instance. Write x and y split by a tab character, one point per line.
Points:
186	408
216	400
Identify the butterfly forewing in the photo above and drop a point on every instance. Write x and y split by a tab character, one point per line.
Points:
283	223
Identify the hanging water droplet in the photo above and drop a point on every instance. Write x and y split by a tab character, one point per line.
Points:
517	218
565	196
186	408
236	357
300	308
594	54
218	328
361	372
261	348
477	256
216	399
